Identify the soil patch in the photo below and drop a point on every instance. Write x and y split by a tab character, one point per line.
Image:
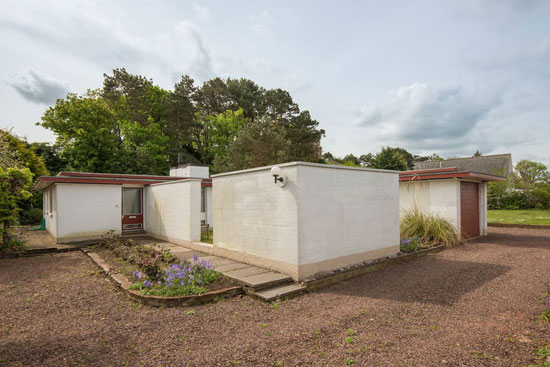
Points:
473	305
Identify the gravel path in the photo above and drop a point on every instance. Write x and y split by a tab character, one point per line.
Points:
475	305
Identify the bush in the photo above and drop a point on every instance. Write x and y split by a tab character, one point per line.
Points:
429	228
14	242
30	216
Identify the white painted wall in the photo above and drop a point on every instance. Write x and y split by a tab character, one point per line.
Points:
172	210
326	217
49	210
190	171
207	215
252	215
86	211
483	208
343	212
440	197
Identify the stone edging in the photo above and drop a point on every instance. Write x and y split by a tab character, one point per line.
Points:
506	225
36	252
159	301
346	274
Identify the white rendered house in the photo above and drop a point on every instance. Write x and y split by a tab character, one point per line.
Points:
81	206
456	195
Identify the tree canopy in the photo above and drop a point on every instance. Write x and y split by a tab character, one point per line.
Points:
131	125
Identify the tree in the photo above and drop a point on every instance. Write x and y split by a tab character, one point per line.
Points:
14	187
477	153
260	142
134	126
389	158
179	121
8	156
22	153
216	134
87	132
51	155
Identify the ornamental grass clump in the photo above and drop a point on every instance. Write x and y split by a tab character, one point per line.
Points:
188	277
428	228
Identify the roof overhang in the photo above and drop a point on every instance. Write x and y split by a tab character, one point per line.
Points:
446	173
45	182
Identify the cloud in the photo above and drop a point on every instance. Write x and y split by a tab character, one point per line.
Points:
37	87
262	23
203	13
430	114
189	49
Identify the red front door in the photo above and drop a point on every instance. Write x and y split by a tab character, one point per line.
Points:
132	209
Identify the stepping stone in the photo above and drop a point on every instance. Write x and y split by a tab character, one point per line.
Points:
246	272
220	262
272	294
230	267
265	280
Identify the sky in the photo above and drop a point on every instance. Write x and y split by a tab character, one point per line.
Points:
445	77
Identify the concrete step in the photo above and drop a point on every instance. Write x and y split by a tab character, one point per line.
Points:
262	281
280	292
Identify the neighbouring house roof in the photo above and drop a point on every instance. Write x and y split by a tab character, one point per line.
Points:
108	179
445	173
495	165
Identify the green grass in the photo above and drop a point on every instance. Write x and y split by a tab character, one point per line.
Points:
210	238
531	216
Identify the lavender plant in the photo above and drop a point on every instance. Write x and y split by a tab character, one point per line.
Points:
188	277
412	244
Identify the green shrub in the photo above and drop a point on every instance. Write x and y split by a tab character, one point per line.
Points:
30	216
429	228
13	242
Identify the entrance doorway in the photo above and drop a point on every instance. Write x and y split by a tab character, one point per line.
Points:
132	209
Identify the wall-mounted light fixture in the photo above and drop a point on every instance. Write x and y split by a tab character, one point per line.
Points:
279	178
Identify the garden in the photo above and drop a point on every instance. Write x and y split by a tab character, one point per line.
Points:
421	231
155	272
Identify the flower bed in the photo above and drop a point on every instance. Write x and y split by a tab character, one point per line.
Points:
414	244
159	273
187	277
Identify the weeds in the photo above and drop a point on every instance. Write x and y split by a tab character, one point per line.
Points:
543	354
545	299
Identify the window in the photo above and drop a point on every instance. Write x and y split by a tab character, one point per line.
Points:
131	201
50	201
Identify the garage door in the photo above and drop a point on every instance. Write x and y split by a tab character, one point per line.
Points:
469	209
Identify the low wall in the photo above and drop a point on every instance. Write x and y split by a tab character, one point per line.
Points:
324	218
172	210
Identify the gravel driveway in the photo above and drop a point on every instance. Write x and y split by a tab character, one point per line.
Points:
475	305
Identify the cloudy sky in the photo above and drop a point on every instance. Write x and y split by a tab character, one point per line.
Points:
447	77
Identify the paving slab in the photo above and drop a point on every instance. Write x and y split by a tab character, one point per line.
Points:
230	267
272	294
246	272
265	280
222	262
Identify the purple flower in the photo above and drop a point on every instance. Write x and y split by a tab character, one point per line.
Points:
147	284
137	274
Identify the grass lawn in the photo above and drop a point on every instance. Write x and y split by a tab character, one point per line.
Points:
210	236
535	217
